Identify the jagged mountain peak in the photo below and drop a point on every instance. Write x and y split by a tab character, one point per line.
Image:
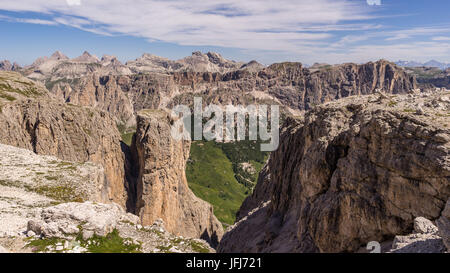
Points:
197	53
58	55
110	60
151	56
86	57
6	65
252	66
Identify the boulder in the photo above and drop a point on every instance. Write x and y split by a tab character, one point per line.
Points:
424	226
69	219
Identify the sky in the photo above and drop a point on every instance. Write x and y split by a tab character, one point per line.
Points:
324	31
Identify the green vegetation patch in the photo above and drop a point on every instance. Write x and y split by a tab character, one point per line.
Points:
72	82
40	245
126	133
6	96
27	91
127	138
111	243
194	245
245	152
211	177
198	247
392	103
57	192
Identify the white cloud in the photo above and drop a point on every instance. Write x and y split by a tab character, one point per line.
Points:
73	2
27	20
251	24
36	21
441	38
374	2
302	30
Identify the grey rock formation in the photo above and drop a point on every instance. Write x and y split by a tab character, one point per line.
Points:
34	121
443	224
29	181
7	66
425	239
69	219
14	86
197	62
162	189
59	67
424	226
99	92
290	85
86	57
58	55
152	63
356	170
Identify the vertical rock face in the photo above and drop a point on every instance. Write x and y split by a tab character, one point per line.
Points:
288	84
70	133
162	189
444	225
30	118
99	92
346	80
356	170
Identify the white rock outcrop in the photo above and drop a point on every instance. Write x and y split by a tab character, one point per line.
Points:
425	239
3	250
69	219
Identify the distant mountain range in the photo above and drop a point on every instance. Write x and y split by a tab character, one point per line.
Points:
59	66
432	63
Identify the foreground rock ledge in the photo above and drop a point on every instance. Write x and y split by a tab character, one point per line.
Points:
352	171
95	227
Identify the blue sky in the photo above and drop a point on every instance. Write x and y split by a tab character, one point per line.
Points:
332	31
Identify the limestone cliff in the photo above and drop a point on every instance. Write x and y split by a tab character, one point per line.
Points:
162	189
291	85
98	92
70	133
31	119
352	171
